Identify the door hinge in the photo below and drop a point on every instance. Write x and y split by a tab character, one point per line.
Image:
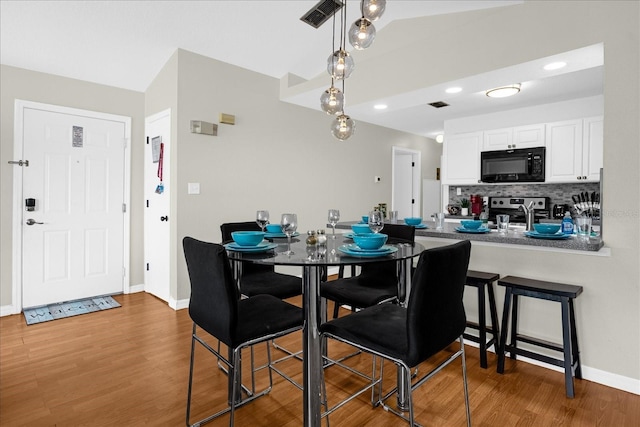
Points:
413	164
413	201
147	266
24	163
147	203
147	140
124	207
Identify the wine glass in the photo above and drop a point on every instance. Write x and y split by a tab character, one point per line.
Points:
262	218
289	223
334	217
376	222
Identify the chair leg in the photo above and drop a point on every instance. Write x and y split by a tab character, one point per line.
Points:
193	343
464	379
236	380
505	328
574	342
514	326
566	348
482	326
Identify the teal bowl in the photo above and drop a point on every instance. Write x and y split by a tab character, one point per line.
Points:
370	240
547	228
361	228
471	224
413	221
365	219
274	228
247	238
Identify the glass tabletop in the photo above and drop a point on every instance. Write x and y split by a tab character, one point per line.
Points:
327	255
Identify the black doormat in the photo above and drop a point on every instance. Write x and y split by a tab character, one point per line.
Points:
63	310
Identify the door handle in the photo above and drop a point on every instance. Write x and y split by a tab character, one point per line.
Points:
164	218
32	221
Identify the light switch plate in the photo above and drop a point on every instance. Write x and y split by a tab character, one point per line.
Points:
193	188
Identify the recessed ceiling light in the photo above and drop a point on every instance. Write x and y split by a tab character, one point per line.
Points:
439	138
504	91
454	90
555	66
380	106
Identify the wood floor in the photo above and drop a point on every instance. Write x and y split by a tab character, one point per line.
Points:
129	367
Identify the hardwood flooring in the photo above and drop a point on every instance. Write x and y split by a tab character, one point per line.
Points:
129	367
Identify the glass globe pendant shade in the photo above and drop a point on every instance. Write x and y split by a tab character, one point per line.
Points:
340	65
343	127
373	9
332	101
362	33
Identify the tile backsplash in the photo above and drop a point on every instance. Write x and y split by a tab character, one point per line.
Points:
558	193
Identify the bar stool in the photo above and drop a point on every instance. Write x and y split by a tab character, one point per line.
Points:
481	280
562	293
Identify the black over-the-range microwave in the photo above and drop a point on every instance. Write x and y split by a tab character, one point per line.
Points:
520	165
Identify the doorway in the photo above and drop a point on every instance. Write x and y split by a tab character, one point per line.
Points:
405	193
71	216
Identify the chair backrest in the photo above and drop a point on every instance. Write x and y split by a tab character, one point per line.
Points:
229	227
436	314
213	304
398	233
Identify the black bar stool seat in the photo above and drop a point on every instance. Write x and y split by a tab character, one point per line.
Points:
481	280
560	292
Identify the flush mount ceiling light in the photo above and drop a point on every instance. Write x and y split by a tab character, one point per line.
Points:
440	139
454	90
504	91
380	106
555	66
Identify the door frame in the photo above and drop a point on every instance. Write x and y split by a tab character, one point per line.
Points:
18	133
416	175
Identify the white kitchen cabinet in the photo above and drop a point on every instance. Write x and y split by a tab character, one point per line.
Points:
512	138
461	158
574	150
592	148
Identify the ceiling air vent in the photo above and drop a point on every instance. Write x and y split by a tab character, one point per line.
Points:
439	104
322	11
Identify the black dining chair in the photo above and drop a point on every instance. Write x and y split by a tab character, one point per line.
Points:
261	279
216	307
377	282
433	319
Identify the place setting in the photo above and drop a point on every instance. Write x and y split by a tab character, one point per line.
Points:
368	242
473	226
416	222
249	241
547	231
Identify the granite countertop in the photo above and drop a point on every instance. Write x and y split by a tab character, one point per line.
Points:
513	237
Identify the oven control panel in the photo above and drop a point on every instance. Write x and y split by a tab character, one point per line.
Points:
539	203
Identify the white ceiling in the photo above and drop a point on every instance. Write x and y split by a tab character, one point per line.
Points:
126	43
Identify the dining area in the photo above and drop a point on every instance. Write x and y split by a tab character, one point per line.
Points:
406	306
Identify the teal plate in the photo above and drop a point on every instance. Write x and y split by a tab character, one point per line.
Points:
363	253
480	230
260	247
536	235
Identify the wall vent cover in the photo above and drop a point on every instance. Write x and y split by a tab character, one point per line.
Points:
439	104
321	12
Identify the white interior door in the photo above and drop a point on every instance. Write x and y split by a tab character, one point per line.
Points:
405	196
157	231
73	241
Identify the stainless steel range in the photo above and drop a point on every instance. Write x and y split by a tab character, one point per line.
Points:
511	206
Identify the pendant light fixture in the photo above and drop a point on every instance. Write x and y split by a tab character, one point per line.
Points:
373	9
332	100
362	33
343	127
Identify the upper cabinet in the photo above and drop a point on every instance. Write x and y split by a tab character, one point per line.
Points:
516	137
461	158
574	150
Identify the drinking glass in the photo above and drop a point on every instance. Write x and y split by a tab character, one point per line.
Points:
289	223
439	218
376	222
583	224
393	217
503	223
262	218
334	217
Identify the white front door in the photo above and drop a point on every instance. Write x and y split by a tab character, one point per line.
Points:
157	237
73	240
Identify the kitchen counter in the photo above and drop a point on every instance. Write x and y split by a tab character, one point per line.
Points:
513	237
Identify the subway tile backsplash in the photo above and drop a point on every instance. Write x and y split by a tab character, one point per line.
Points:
558	193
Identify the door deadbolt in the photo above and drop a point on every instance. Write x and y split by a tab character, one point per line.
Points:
32	221
164	218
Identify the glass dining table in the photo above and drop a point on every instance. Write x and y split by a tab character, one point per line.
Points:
314	261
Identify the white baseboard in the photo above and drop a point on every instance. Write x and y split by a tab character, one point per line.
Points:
178	304
8	310
599	376
136	288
